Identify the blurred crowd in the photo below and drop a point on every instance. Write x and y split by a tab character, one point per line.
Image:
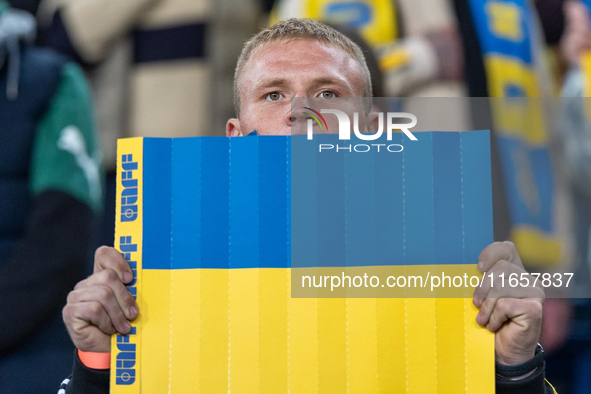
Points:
76	75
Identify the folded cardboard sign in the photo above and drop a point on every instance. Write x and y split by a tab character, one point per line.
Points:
214	227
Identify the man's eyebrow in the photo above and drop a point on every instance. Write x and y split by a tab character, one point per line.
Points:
267	83
339	82
282	82
329	81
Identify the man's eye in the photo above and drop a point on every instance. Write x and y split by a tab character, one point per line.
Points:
273	96
327	95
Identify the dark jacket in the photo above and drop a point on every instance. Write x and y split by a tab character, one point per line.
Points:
92	381
45	209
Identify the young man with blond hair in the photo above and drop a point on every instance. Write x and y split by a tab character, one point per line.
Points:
294	58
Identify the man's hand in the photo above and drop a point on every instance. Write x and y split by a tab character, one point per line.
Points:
100	305
513	314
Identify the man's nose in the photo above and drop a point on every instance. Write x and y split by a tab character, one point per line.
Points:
296	120
299	114
296	117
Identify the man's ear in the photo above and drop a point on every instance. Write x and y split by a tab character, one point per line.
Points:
233	128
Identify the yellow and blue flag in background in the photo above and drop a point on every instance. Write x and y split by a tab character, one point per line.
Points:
509	41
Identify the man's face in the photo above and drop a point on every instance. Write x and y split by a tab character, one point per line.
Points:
280	72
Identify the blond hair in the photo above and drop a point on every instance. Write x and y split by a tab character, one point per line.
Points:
299	28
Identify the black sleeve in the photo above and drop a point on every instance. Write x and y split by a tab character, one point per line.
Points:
534	384
85	380
46	265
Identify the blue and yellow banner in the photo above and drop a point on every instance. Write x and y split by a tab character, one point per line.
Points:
218	224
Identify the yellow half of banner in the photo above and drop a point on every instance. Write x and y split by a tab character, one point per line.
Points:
240	331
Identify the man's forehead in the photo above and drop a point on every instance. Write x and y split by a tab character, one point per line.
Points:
273	80
316	60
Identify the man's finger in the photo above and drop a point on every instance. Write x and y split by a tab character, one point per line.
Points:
486	310
109	258
512	308
500	314
491	282
110	278
481	291
88	313
106	297
498	251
